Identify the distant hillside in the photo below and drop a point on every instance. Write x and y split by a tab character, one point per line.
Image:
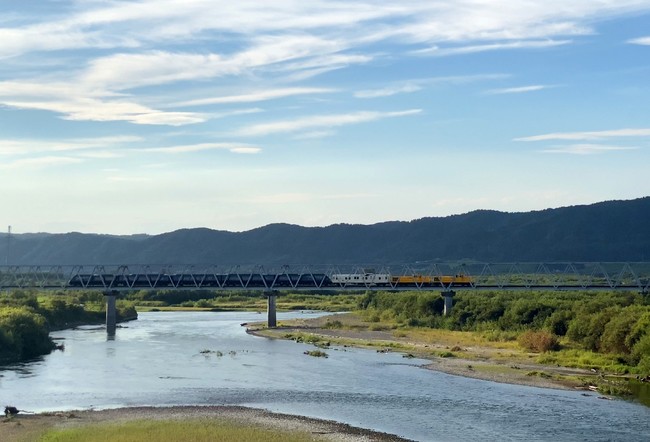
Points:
608	231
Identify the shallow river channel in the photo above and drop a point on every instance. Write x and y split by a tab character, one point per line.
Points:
183	358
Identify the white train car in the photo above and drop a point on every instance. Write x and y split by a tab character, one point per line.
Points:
361	279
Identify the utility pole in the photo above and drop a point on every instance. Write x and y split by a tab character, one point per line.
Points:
8	245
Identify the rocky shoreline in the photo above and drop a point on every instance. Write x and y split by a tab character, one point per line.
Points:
28	427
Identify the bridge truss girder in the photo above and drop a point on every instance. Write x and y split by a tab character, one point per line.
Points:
495	276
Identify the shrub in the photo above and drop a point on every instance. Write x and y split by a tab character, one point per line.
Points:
202	303
333	324
538	341
23	334
641	353
316	353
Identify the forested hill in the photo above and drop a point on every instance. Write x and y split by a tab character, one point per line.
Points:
608	231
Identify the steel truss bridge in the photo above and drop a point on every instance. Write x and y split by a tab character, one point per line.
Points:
634	276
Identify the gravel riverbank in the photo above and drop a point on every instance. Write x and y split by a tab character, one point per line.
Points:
489	363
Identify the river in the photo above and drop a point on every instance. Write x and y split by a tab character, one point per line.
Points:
183	358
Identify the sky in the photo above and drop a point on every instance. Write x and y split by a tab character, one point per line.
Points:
148	116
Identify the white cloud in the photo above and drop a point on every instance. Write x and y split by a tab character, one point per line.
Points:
319	121
91	109
472	49
246	150
234	113
645	41
314	134
415	85
263	95
388	91
518	90
586	149
592	135
189	148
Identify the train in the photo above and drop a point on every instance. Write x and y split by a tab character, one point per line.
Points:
267	281
388	280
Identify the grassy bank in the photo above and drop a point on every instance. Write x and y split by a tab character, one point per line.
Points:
197	430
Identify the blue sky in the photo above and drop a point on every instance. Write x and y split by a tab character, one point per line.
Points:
147	116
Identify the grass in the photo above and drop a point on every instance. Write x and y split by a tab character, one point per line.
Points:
585	359
200	430
284	302
453	338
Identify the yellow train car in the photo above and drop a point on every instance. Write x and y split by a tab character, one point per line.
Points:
411	280
423	280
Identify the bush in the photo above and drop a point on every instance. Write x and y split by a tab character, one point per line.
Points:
23	334
641	353
538	341
615	335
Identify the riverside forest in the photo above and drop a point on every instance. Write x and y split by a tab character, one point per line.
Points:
607	332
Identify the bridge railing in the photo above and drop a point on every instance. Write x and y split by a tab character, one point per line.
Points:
541	275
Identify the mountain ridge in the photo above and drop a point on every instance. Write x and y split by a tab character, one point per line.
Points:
616	230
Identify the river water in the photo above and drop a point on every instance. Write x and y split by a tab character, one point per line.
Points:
161	359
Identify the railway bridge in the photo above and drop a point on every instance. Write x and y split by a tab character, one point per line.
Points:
430	276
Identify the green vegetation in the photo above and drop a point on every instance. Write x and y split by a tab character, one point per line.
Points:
26	318
604	331
316	353
23	334
240	300
196	430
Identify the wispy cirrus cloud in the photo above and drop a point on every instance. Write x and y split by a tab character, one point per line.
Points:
519	89
644	41
589	135
189	148
252	97
472	49
417	84
320	121
586	149
126	71
287	41
388	91
80	103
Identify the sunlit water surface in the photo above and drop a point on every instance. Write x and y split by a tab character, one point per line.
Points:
158	360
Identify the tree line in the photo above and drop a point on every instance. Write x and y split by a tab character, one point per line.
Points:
27	318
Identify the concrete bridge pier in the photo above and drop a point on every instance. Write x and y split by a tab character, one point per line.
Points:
449	302
270	304
111	312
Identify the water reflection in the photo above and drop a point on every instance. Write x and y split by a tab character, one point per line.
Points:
641	391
